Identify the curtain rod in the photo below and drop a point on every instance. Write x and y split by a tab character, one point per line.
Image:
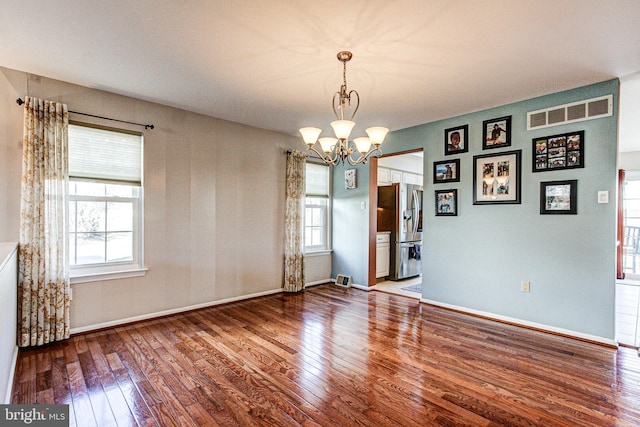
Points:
20	101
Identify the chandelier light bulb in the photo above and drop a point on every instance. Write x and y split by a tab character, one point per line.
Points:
327	143
377	134
342	128
363	144
310	135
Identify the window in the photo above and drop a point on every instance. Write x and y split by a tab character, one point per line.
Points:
632	200
317	208
105	203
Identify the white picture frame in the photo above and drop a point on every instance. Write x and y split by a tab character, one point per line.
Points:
350	179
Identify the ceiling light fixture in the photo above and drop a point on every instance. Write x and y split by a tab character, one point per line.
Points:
336	150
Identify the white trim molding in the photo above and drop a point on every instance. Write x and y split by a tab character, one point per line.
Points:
524	323
362	287
318	282
112	275
12	372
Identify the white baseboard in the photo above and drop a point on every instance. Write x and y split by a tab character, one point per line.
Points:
355	285
148	316
318	282
12	372
525	323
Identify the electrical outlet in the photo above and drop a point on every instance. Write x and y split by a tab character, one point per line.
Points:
525	286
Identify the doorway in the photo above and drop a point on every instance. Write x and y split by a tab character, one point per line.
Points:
404	169
628	290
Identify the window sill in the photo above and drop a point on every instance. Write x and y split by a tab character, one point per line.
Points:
318	253
112	275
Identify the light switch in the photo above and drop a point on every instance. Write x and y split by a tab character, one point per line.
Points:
603	197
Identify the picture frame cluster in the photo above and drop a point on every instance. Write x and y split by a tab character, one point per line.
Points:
497	177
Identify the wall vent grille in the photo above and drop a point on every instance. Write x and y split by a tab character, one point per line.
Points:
568	113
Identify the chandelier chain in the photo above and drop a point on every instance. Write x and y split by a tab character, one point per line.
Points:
344	74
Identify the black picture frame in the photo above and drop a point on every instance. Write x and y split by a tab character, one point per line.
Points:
497	178
446	171
446	202
556	152
453	145
496	133
559	197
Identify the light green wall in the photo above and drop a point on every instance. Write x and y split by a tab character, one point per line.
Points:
351	225
477	260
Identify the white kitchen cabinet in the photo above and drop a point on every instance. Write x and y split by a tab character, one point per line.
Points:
384	176
388	176
383	253
411	178
396	176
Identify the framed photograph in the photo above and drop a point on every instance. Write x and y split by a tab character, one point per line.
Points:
496	178
350	179
446	171
496	133
564	151
559	197
446	202
455	140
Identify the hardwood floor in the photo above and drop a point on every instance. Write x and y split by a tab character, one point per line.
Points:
331	356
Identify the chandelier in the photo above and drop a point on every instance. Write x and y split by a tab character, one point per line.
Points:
336	150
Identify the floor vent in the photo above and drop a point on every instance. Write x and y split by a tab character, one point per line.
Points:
575	112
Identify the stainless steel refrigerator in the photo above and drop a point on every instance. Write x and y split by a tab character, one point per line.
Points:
400	212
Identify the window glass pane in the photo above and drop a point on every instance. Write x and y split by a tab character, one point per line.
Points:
90	248
114	190
316	212
72	217
307	215
632	189
317	217
90	216
119	247
72	249
89	189
632	204
317	236
119	216
632	222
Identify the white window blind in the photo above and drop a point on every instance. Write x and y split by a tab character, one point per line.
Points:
103	154
317	180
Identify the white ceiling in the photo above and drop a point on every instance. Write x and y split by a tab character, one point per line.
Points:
272	63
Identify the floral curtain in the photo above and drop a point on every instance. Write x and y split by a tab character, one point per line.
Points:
294	216
43	282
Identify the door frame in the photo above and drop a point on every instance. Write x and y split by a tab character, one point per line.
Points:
373	209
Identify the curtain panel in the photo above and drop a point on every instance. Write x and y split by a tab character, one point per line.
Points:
43	282
294	223
620	231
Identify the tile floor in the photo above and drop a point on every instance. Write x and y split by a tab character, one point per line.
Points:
395	287
628	312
